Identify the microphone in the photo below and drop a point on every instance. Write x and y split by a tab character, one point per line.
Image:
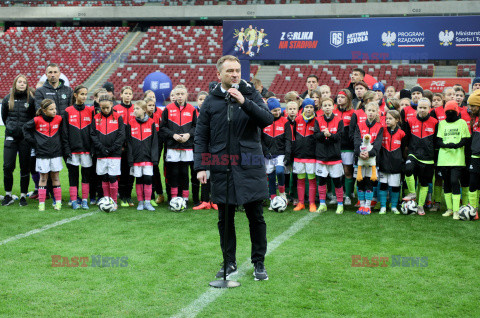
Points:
228	97
230	100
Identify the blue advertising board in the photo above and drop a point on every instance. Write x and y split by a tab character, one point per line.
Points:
415	38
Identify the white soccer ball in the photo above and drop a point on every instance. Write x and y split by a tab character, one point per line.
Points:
266	41
236	48
467	213
252	54
15	197
278	204
177	204
107	204
409	207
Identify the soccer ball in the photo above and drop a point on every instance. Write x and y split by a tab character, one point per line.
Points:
467	213
266	41
236	48
409	207
107	205
177	204
252	54
278	204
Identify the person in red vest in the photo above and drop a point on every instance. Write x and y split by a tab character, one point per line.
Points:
328	136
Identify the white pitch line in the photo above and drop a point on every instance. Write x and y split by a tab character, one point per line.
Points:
46	227
212	294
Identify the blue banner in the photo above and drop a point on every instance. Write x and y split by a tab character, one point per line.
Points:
417	38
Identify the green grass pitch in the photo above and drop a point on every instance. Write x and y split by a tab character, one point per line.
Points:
173	256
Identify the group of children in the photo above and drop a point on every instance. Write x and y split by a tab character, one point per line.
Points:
426	143
116	145
409	142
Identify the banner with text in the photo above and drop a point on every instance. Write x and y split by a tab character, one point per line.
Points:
415	38
437	85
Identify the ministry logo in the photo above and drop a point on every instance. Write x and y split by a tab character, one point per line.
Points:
445	37
336	38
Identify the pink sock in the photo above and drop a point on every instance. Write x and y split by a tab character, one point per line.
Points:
281	189
73	193
301	190
147	192
85	190
339	194
114	190
185	193
312	190
106	188
57	193
322	192
139	188
42	194
173	192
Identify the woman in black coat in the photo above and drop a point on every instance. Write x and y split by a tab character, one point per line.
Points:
18	107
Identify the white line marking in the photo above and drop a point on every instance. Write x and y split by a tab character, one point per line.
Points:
212	294
46	227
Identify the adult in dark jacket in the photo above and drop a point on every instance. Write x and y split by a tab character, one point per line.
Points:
247	184
18	108
54	88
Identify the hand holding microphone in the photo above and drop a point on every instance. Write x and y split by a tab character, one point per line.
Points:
233	94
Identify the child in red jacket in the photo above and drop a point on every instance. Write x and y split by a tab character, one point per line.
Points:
108	136
142	143
77	120
43	134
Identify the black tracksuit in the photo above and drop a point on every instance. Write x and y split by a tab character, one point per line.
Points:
14	120
43	133
62	95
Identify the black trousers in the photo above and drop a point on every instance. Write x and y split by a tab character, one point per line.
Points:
125	184
424	172
195	185
451	179
10	150
258	230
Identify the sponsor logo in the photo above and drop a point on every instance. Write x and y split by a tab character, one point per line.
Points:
64	96
466	38
357	37
297	40
445	37
403	39
336	38
388	38
154	85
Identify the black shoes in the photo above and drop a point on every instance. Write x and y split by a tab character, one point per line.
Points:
23	201
7	200
231	269
260	273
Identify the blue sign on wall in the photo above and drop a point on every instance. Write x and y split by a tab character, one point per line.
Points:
418	38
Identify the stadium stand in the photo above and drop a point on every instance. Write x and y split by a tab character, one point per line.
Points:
28	50
293	77
179	44
84	3
466	70
199	76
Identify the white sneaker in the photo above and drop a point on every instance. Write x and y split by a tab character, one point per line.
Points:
332	201
395	211
448	213
347	201
383	210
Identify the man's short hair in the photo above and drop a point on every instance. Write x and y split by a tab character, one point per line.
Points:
359	70
52	65
312	75
226	58
361	83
